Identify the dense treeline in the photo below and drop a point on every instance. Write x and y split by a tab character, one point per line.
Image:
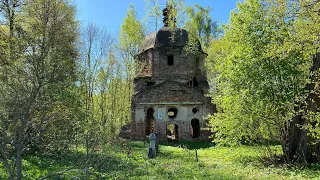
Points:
62	85
265	74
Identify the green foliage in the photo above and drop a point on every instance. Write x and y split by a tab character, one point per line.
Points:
153	14
105	89
3	44
202	29
176	14
131	33
36	77
259	69
130	38
308	30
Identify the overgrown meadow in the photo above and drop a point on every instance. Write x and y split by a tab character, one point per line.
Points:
174	161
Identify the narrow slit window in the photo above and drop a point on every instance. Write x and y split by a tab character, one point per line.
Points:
150	83
170	59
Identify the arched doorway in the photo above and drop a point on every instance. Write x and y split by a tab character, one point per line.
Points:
172	132
195	131
149	121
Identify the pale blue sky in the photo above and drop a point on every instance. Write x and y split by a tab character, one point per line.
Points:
110	13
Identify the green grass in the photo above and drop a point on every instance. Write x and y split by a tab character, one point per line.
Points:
176	160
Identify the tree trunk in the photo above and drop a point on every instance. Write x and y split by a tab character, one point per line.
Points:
6	164
301	147
19	155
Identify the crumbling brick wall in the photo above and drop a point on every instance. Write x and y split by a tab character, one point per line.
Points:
170	78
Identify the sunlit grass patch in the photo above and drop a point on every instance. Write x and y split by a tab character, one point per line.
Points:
174	161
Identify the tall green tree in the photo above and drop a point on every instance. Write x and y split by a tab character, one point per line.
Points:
153	14
202	29
129	41
302	141
36	73
259	69
131	33
94	70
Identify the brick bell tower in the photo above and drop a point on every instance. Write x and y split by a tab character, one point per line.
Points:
170	87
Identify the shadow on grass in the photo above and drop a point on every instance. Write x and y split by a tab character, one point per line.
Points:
55	160
138	144
171	155
52	163
188	144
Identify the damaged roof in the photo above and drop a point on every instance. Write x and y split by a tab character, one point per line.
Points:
165	37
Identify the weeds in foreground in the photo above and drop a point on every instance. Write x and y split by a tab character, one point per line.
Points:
174	161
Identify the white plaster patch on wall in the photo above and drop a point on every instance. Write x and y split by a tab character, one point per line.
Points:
183	113
162	113
139	114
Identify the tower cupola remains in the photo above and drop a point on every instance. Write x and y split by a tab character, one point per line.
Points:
167	15
170	87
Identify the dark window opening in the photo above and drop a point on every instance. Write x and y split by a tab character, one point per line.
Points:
149	121
194	110
195	82
190	83
172	112
195	130
151	83
170	60
172	132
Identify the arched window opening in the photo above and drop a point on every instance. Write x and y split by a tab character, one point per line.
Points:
172	112
172	132
195	82
195	130
149	121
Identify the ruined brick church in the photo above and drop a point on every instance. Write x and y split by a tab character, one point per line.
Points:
169	89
